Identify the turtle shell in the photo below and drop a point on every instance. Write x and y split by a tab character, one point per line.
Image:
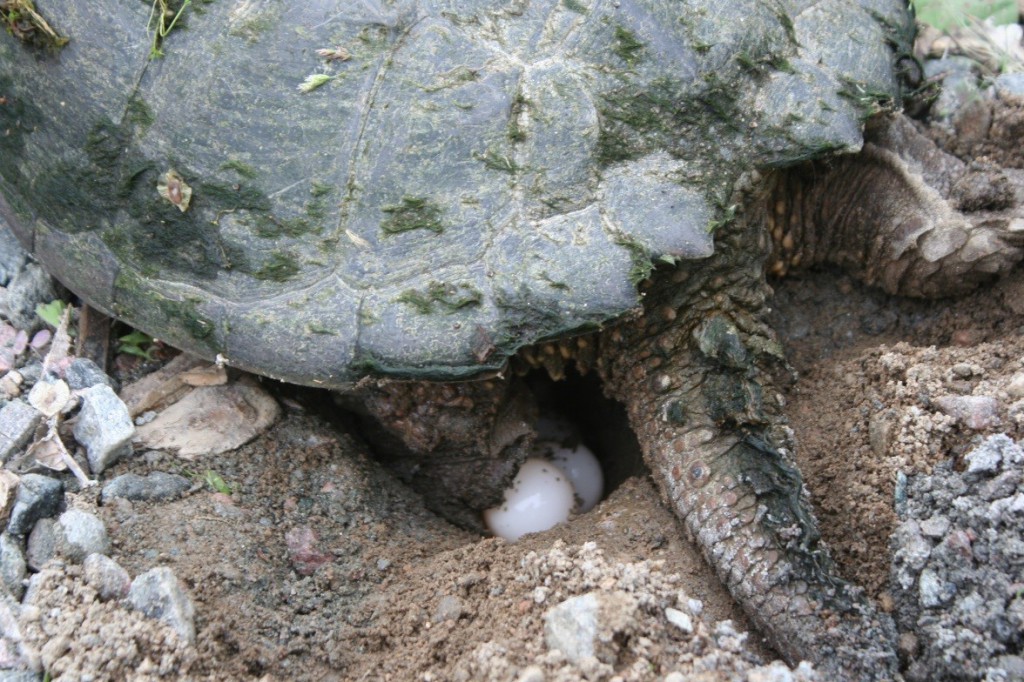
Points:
323	190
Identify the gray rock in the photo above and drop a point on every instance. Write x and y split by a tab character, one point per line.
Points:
586	626
1015	389
449	608
104	427
30	373
18	423
42	544
158	594
24	284
934	591
13	569
987	459
959	600
911	553
10	634
959	87
156	486
83	373
80	534
20	676
107	577
935	527
38	497
1010	85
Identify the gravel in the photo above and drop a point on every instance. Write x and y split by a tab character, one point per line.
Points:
956	571
18	422
80	534
107	577
590	625
38	497
104	427
84	373
154	487
158	594
13	568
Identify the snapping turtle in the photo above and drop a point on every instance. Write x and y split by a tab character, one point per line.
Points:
357	195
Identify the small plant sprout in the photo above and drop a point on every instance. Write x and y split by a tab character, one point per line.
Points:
217	483
136	343
162	20
314	81
51	313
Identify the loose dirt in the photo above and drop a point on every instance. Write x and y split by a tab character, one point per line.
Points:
321	565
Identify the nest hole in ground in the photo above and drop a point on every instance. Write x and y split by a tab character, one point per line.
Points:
601	421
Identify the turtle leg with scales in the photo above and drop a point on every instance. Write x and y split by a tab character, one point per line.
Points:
696	372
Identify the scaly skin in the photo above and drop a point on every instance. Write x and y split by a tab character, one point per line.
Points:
696	372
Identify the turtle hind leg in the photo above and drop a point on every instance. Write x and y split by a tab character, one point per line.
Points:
696	376
903	215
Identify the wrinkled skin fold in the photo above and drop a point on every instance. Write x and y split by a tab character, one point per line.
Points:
697	373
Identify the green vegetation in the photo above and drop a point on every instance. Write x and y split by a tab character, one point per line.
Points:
137	298
447	297
279	267
217	483
24	22
51	313
138	113
163	17
136	343
454	78
413	213
636	121
516	133
628	48
948	14
497	161
642	265
243	169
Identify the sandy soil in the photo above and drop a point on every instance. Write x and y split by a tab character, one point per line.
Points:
320	565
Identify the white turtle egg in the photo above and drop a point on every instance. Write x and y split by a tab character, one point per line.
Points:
540	498
583	471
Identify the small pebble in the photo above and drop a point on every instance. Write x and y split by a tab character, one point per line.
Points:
83	373
158	594
974	412
107	577
13	567
38	497
680	620
303	550
80	534
104	427
935	527
155	486
449	608
18	422
962	370
42	544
